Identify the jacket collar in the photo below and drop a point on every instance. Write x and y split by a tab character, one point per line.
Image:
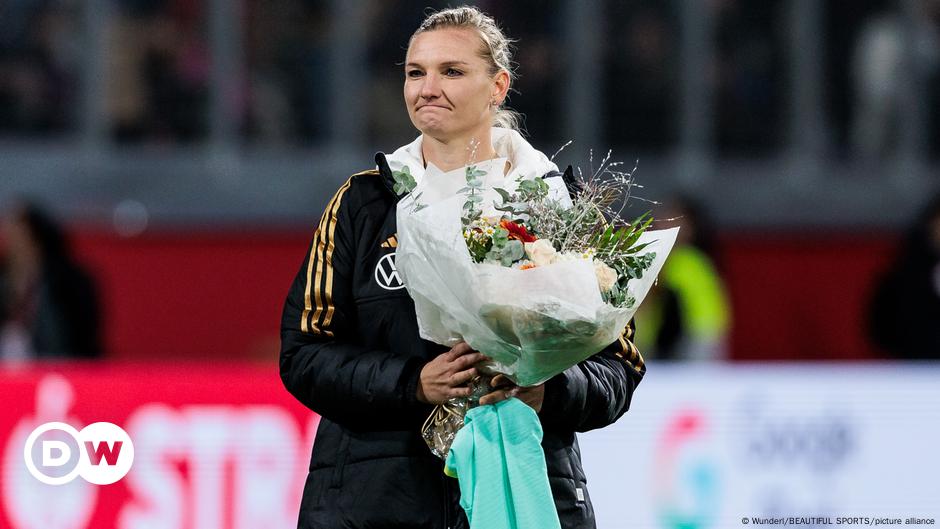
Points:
388	181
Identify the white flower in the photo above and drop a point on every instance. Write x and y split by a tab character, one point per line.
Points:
606	276
541	252
567	257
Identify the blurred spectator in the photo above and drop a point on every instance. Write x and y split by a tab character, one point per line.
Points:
642	73
159	71
287	49
750	78
905	310
687	315
38	57
878	70
48	303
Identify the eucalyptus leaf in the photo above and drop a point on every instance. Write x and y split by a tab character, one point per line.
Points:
515	250
503	194
404	182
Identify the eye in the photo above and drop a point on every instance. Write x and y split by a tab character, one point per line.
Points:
452	72
414	73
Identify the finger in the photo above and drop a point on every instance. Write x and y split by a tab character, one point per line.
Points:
460	349
451	354
501	381
462	377
468	360
497	396
459	392
490	398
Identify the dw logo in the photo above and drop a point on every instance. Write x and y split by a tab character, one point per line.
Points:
386	275
55	453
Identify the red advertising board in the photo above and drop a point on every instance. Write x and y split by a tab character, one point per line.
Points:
215	446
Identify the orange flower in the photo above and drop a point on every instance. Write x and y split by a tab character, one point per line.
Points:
517	231
527	266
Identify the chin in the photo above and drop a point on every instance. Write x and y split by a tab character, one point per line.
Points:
435	129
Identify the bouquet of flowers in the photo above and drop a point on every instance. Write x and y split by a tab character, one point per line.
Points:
538	277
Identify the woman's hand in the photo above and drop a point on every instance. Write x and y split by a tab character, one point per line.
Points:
505	389
447	376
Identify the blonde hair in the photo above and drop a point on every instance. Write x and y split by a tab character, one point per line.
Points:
496	49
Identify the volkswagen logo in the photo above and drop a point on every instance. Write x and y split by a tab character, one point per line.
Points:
386	275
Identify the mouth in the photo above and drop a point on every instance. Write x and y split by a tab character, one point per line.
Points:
432	106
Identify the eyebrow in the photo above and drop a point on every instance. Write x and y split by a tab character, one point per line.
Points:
443	64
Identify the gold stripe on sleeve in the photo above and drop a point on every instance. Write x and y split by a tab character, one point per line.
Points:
328	295
314	279
325	253
629	353
304	327
328	299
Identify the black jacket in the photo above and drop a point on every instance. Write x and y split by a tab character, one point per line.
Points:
351	352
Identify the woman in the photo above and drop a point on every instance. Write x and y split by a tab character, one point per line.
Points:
350	345
48	302
687	315
905	308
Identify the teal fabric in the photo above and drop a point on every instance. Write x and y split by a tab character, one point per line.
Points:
497	458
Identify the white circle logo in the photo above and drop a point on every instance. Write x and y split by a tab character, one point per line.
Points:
386	275
56	453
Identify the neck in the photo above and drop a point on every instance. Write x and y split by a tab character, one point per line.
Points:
454	153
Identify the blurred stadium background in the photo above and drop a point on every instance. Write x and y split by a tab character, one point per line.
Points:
188	147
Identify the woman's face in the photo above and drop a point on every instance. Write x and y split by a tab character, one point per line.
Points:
21	248
448	89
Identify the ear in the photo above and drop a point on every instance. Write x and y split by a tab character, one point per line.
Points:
501	83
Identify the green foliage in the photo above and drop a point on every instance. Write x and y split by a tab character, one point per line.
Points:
618	296
503	250
474	192
518	205
621	240
627	267
479	249
589	227
534	190
518	211
404	181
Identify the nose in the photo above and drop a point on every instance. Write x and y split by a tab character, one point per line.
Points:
430	86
